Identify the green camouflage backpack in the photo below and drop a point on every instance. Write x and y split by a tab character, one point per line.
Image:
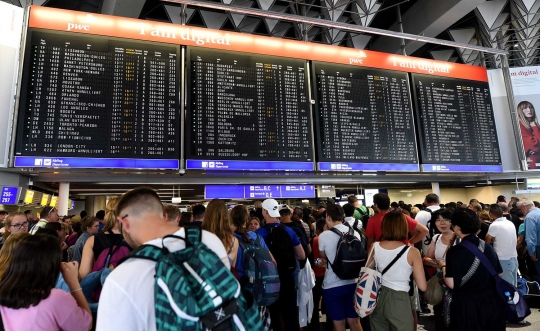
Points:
193	290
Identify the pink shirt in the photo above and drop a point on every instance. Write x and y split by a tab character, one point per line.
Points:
58	312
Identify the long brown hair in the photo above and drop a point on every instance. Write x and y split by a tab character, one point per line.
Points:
9	221
524	120
394	226
31	273
109	221
5	252
216	220
239	216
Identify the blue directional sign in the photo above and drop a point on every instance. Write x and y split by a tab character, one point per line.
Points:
259	191
10	195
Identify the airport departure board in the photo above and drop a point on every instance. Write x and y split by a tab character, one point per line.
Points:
364	116
455	122
247	107
96	97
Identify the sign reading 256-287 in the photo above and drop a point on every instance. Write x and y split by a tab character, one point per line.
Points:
10	195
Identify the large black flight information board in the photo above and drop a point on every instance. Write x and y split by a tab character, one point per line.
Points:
364	119
456	125
247	112
98	102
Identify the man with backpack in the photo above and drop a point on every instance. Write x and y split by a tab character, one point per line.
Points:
354	223
142	294
345	257
286	248
424	217
361	212
297	227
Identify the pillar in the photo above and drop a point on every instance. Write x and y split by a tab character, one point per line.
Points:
63	199
435	188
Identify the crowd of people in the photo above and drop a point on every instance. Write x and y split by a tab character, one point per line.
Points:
83	272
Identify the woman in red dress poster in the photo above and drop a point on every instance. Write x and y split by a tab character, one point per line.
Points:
530	132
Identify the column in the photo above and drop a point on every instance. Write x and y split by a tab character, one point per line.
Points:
436	189
63	199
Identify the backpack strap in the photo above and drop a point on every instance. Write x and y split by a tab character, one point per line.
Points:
193	236
395	259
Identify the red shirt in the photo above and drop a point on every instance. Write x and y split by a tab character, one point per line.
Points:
319	271
374	228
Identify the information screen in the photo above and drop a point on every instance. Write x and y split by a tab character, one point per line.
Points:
98	102
258	191
10	195
247	108
456	125
364	119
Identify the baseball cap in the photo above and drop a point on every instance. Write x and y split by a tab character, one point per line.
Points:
272	206
501	198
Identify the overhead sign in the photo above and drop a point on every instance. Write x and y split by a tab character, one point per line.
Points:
54	200
10	195
113	26
45	199
258	191
29	197
326	191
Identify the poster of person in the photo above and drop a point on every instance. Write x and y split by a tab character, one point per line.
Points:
526	83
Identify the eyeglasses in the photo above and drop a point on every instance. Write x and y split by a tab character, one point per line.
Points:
440	220
50	211
123	217
20	226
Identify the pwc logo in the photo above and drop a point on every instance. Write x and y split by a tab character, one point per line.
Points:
82	27
359	59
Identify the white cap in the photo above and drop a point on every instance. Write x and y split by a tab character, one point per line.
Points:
272	206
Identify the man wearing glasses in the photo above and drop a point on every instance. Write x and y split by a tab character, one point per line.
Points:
48	214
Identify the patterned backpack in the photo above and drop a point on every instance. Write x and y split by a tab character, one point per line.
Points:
194	291
261	276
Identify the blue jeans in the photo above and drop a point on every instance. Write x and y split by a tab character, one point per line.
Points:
510	268
88	285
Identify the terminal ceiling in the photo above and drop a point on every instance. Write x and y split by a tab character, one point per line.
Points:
512	25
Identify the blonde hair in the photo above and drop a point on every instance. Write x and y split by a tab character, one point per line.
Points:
9	220
483	215
109	221
9	244
217	220
522	119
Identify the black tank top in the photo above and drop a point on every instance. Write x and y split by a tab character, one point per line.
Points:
103	241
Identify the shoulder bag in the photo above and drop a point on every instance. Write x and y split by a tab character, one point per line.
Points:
516	307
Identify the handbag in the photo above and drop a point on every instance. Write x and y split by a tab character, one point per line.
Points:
516	306
369	283
435	292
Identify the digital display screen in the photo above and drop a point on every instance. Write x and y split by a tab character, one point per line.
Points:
29	197
45	199
364	119
456	125
258	191
54	200
98	102
247	108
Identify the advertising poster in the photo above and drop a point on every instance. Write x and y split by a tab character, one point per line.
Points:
526	84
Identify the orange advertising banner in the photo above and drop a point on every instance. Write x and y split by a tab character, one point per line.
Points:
113	26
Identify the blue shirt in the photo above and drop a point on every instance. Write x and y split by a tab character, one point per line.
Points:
240	255
264	232
532	230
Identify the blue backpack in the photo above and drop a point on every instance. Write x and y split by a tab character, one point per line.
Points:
194	291
261	276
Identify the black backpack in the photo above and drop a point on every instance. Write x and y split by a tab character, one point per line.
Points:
301	233
281	247
364	216
357	229
350	255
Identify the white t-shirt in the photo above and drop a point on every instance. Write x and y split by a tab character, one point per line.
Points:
328	241
351	221
424	217
504	233
127	299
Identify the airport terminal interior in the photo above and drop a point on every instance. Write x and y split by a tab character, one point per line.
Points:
270	131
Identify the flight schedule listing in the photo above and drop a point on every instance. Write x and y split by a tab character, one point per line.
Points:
364	116
97	97
456	122
247	107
